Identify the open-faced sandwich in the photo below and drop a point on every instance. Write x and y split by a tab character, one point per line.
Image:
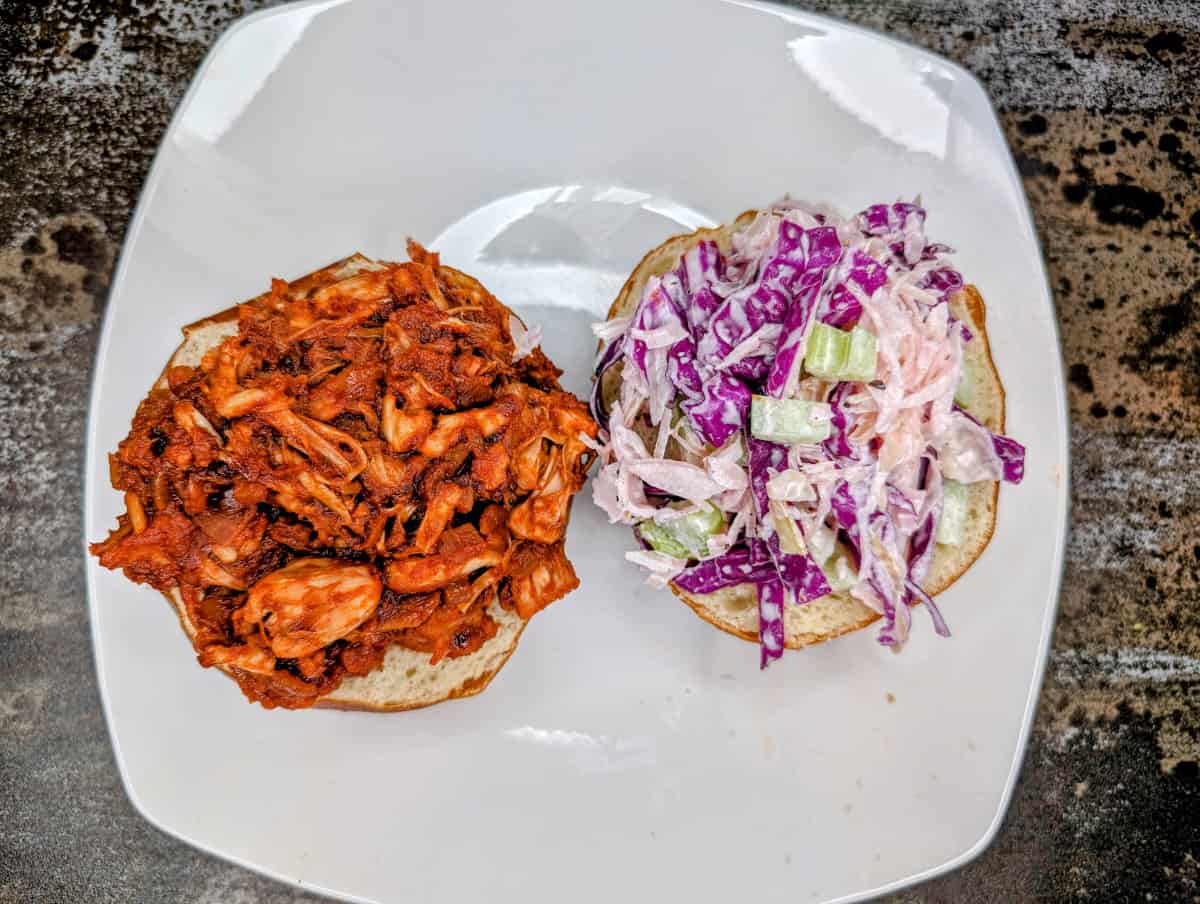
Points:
354	488
802	421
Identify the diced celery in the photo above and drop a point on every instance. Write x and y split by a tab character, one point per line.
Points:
862	357
696	527
825	356
839	570
686	537
954	513
834	354
662	540
789	420
966	387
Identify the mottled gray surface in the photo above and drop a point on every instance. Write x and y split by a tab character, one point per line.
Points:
1099	101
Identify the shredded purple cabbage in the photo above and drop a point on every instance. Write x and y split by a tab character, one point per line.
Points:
882	219
844	309
944	281
816	250
702	267
845	509
681	367
770	620
721	409
1012	457
744	564
1010	452
838	446
939	623
799	573
765	457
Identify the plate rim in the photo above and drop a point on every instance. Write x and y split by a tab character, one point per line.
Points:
1061	411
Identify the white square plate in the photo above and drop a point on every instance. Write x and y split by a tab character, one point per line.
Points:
628	749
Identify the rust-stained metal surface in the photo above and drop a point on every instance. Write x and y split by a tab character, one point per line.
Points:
1101	103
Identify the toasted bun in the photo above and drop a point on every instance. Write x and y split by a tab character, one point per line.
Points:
735	609
405	680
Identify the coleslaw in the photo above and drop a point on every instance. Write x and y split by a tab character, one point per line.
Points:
793	415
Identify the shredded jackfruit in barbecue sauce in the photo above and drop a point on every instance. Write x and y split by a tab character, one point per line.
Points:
369	463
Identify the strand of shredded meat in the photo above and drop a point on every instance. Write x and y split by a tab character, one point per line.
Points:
369	463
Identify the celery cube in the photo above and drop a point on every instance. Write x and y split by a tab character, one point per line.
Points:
789	420
861	359
685	537
662	540
826	353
